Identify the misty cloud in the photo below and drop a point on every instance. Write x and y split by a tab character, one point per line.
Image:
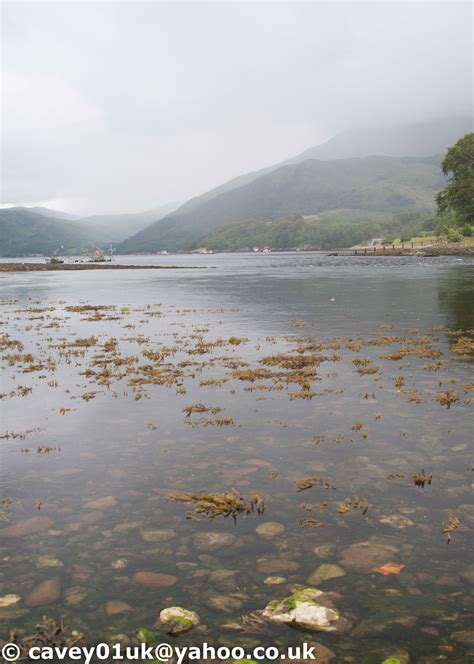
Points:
125	106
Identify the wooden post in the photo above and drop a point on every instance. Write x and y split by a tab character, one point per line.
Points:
365	250
355	253
393	246
412	245
383	247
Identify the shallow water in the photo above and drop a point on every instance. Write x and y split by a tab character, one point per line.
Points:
131	440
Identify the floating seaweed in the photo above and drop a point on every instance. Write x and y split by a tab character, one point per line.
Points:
310	522
218	422
354	503
200	408
211	505
421	478
309	482
393	476
453	524
447	398
309	507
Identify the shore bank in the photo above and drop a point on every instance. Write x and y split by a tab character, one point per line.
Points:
433	250
58	267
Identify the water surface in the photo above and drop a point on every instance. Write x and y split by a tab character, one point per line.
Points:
116	433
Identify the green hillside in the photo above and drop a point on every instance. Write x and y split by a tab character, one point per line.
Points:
26	231
373	185
23	232
321	232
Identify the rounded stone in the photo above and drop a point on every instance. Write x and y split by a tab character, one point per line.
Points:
324	573
158	535
116	606
213	541
46	592
36	524
270	529
9	600
465	637
154	579
176	620
101	503
274	580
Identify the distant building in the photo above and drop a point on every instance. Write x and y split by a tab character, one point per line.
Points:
202	250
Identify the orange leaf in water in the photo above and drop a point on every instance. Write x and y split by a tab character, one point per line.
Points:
389	568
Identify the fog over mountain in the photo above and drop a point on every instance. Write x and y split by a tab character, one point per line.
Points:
200	93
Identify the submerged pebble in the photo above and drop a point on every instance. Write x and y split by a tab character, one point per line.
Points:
270	529
325	572
9	600
46	592
154	579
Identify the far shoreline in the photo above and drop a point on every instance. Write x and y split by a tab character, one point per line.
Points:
71	267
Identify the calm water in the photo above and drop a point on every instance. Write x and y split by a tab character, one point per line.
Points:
114	419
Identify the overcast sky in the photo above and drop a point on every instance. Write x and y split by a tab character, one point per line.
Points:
125	106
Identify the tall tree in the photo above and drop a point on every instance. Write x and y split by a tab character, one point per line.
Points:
458	195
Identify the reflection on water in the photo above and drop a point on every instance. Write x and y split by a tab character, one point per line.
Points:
338	374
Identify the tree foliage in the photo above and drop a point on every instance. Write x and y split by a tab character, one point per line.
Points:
458	195
321	232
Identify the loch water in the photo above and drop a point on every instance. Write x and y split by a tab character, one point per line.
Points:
369	383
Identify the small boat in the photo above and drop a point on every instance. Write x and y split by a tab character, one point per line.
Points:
55	259
96	255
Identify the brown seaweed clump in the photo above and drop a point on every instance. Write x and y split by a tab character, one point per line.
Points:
47	634
354	503
309	482
421	478
200	408
211	505
453	523
447	398
311	522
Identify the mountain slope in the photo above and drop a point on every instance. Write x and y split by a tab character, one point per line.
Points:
383	185
45	212
23	232
117	227
417	140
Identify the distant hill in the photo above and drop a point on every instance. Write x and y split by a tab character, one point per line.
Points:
316	231
37	230
46	212
117	227
381	185
23	232
417	140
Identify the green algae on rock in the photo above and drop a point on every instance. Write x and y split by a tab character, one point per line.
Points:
175	620
303	609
